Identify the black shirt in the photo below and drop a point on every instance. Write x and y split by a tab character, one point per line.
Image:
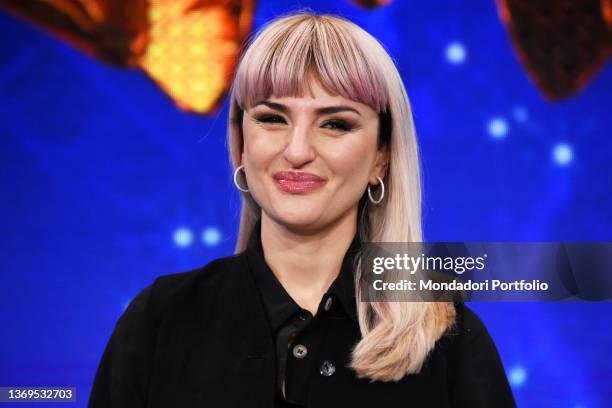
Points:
298	334
203	338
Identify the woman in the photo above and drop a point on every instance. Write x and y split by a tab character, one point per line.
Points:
324	150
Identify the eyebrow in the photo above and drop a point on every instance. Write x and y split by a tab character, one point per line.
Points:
320	111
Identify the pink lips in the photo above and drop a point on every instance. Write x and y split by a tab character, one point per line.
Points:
298	182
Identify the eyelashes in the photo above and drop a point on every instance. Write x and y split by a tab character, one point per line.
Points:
269	119
333	124
340	125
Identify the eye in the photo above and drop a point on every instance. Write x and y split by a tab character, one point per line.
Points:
339	125
270	119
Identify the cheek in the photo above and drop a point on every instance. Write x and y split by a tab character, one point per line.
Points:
259	148
352	160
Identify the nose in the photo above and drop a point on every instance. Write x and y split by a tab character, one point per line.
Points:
299	149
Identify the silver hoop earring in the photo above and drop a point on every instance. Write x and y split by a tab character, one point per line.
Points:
236	179
382	194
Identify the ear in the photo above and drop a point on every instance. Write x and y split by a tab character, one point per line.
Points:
381	165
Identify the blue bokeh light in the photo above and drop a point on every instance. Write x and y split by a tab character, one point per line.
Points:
517	376
498	128
211	236
183	237
456	53
562	154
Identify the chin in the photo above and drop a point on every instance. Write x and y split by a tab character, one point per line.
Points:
297	216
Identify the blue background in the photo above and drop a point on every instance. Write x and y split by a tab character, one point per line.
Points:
107	185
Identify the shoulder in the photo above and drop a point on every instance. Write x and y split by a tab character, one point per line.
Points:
211	273
169	298
478	374
465	328
467	340
468	325
469	334
167	289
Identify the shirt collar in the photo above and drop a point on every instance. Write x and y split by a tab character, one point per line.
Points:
279	304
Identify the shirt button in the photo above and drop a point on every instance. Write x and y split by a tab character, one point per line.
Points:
327	368
300	351
328	303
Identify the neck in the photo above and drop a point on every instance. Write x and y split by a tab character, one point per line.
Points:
306	261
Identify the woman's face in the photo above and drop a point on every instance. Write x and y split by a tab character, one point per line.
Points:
308	160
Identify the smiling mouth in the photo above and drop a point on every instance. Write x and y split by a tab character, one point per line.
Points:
297	187
298	183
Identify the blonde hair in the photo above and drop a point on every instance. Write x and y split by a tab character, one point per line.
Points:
396	336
